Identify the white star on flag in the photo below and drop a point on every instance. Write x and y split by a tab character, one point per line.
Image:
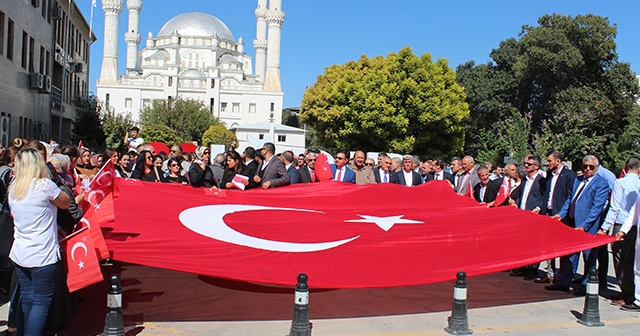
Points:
384	223
81	264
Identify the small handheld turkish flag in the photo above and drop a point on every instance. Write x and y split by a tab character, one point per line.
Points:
323	168
502	194
100	186
81	260
93	218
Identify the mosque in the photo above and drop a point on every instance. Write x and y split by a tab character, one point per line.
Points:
195	56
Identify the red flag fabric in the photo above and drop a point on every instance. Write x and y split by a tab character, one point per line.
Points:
323	168
342	236
80	260
503	193
100	186
94	218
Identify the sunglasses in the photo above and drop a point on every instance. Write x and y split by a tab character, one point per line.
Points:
528	164
311	160
174	165
148	158
206	153
341	158
590	167
369	164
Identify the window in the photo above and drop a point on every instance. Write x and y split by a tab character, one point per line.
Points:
35	3
25	40
282	138
261	136
170	81
32	45
1	33
146	102
46	64
235	108
42	60
252	108
223	107
10	40
44	8
273	106
212	103
213	83
128	102
106	100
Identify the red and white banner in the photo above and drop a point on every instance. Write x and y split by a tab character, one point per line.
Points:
80	260
342	236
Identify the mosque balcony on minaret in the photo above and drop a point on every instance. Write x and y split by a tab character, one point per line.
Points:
275	17
132	38
261	12
260	44
112	6
134	5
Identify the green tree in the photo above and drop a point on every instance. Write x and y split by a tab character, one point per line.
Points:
115	126
219	135
564	75
401	103
87	127
187	117
290	118
160	133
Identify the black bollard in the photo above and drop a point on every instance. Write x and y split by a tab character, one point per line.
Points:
113	324
459	321
300	325
591	313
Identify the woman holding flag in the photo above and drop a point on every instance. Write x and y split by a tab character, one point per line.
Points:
34	200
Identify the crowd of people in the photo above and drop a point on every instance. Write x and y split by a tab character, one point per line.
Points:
52	179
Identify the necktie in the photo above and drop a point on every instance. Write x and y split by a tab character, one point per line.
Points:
438	177
385	179
572	207
313	175
338	178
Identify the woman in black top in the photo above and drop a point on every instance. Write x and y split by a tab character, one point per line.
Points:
145	169
200	173
174	172
235	165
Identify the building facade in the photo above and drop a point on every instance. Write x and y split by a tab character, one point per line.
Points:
194	56
44	55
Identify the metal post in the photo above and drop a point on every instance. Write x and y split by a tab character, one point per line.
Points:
300	325
591	313
113	322
459	321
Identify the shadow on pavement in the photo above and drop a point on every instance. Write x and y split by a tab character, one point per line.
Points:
158	295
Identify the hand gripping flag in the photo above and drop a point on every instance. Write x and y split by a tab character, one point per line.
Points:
80	260
100	186
323	168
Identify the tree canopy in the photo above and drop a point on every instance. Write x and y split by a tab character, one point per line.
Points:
219	135
115	126
87	127
187	117
400	103
160	133
560	85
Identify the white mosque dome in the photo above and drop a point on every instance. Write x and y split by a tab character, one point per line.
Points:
196	24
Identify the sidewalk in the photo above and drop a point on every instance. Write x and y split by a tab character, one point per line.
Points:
162	302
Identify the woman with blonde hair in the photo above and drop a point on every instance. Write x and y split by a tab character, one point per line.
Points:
34	200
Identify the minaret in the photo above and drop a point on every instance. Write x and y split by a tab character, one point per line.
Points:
275	19
132	36
112	10
260	43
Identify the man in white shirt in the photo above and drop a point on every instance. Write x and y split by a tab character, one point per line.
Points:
623	197
408	176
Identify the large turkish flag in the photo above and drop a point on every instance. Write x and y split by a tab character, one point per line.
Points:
342	236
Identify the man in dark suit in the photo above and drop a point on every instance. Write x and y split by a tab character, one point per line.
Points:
383	173
486	190
271	172
530	197
469	178
407	175
307	172
340	170
439	173
558	188
288	157
583	212
251	165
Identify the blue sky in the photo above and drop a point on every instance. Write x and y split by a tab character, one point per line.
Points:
320	33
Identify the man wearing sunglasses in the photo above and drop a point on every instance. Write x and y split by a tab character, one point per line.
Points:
271	172
307	171
340	170
583	212
364	173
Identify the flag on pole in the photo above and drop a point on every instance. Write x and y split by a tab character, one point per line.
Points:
81	262
323	168
503	194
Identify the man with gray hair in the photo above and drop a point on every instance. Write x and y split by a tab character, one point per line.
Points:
583	212
469	178
396	164
307	171
407	175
